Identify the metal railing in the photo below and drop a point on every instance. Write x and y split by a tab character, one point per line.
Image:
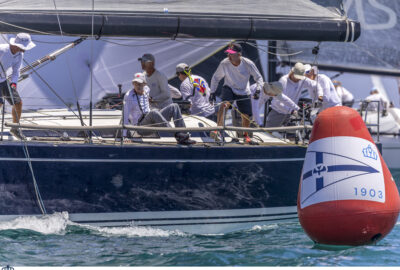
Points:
157	129
364	107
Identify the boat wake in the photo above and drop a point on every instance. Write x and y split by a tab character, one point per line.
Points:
49	224
59	223
133	231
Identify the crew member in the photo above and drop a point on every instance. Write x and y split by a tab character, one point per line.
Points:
330	97
137	111
160	94
195	89
11	56
345	95
293	85
375	98
236	71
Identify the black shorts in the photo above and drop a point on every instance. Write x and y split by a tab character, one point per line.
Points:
5	93
243	102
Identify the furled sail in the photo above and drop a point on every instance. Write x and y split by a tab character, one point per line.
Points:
321	20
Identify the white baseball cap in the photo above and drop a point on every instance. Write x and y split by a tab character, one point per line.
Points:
23	41
139	77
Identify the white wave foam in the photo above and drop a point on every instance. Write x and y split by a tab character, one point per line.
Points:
57	223
264	227
47	224
134	231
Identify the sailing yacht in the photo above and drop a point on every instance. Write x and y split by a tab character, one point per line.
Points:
74	162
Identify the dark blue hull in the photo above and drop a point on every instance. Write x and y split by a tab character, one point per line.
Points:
113	179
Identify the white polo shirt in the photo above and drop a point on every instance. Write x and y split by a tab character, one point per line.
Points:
132	110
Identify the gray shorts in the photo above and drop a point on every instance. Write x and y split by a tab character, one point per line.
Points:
5	93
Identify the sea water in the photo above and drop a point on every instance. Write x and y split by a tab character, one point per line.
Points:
55	241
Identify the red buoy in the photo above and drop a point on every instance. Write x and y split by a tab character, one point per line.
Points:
347	195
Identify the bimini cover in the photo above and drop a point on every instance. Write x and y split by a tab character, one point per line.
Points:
321	20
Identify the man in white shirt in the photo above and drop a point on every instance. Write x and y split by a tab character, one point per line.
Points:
11	56
236	71
345	95
372	104
270	90
195	89
292	84
137	111
330	97
160	94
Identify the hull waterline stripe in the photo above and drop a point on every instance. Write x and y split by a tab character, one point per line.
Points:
206	223
151	160
183	218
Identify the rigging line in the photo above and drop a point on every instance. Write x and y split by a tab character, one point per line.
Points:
91	74
277	54
373	55
51	88
129	38
197	45
25	148
133	45
26	29
282	47
51	42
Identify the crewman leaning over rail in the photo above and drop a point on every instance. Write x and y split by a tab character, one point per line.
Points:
137	111
11	56
292	84
272	90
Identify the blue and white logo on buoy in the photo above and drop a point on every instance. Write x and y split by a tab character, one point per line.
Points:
341	168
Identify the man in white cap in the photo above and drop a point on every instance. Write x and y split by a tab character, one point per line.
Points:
195	89
137	111
292	84
160	94
11	56
236	71
330	97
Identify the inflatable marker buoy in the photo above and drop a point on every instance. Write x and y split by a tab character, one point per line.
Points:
347	195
